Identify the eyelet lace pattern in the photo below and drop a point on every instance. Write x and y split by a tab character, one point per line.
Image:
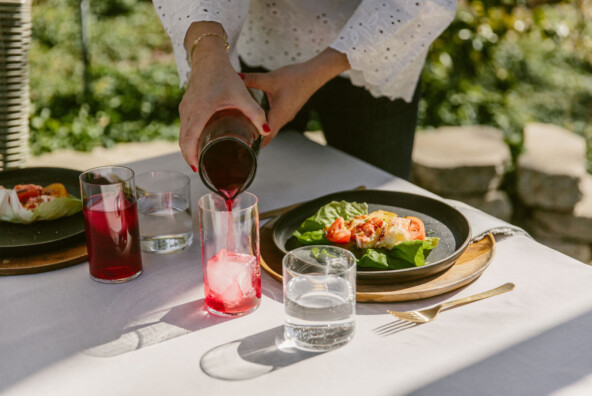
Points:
386	41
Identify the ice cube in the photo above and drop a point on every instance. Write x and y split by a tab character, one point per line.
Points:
218	279
230	275
232	296
245	277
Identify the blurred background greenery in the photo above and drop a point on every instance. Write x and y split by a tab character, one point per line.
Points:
501	62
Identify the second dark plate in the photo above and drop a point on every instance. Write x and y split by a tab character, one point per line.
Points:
41	235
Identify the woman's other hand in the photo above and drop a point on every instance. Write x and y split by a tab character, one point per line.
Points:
289	88
214	85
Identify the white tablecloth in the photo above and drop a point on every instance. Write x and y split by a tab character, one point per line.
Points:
62	333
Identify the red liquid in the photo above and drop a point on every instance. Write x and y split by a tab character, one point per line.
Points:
113	237
230	235
229	201
228	164
232	282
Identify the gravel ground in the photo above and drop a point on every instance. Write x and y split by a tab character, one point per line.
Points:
121	153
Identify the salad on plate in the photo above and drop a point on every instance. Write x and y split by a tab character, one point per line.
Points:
27	203
379	240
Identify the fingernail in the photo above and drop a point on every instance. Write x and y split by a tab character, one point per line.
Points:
193	168
241	75
266	128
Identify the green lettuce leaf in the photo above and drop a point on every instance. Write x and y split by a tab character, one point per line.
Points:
404	255
330	212
322	255
56	208
374	258
311	237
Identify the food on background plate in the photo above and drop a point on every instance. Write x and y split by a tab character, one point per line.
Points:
26	203
380	240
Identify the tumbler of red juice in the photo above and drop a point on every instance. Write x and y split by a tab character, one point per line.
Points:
111	224
229	231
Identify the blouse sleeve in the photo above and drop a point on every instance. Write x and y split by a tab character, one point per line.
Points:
386	42
176	17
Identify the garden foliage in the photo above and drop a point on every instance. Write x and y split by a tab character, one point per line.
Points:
507	63
500	63
134	88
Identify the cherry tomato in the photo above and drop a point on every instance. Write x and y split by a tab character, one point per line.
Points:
56	190
416	228
337	232
26	191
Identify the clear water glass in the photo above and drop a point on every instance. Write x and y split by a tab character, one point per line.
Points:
319	297
164	207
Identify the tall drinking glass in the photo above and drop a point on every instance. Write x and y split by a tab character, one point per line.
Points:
319	297
230	254
111	223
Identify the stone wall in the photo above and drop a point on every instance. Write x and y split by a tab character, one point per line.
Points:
464	163
553	183
553	191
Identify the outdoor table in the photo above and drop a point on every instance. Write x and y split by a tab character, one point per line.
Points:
61	333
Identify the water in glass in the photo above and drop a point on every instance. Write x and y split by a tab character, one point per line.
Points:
165	221
319	311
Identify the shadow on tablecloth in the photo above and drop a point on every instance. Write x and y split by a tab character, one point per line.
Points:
159	326
252	356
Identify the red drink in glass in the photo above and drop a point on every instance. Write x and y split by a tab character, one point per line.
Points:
232	282
113	237
229	232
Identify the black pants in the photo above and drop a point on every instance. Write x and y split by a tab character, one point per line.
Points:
379	131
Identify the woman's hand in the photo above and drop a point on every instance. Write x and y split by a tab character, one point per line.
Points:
214	85
289	88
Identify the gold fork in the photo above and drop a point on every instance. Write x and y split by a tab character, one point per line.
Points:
429	314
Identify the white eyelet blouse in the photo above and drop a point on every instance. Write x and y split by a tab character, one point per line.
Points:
386	41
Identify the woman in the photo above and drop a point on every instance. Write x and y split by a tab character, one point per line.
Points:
377	46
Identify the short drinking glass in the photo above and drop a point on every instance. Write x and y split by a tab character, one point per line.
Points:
111	223
164	205
319	297
230	253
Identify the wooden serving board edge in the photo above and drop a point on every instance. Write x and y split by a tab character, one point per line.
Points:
44	262
478	256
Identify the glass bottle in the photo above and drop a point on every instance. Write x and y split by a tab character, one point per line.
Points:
228	148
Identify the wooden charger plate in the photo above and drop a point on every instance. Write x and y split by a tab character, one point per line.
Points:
468	267
45	261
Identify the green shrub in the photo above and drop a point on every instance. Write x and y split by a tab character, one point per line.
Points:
505	65
134	87
500	63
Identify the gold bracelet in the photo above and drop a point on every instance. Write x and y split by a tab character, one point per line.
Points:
202	36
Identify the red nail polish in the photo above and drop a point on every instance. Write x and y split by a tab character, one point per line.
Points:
241	75
193	168
266	128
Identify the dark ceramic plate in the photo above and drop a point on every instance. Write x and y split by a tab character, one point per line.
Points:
441	220
42	235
